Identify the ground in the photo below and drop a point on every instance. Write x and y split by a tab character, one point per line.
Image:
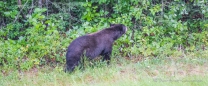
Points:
158	71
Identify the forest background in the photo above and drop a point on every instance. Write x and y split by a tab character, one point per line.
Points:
34	33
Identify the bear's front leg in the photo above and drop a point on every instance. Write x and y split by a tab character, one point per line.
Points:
106	57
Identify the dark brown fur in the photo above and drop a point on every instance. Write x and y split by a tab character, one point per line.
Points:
95	44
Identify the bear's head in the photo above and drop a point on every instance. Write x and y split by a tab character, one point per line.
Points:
118	29
121	27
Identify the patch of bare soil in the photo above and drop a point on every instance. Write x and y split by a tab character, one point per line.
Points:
182	70
30	73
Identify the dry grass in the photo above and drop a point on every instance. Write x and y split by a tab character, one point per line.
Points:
121	72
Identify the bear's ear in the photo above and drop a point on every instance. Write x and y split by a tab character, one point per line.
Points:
112	25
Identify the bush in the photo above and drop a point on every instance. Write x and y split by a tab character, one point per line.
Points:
154	28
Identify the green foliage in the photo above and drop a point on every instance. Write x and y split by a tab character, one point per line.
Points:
39	45
33	36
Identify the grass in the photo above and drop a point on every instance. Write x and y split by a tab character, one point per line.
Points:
188	70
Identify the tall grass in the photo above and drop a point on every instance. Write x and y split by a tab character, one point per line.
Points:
189	70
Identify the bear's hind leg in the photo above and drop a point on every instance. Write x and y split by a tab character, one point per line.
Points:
71	64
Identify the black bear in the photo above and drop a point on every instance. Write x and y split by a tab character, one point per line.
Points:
94	44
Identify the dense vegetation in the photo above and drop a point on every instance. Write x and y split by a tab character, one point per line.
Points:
37	32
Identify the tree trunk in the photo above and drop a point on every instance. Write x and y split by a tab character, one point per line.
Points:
19	4
20	8
40	3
